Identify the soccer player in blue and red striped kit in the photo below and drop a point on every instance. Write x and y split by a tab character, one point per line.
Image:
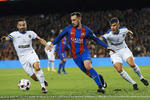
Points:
77	35
62	46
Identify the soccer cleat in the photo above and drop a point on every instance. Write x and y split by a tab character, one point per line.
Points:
53	70
59	72
46	83
44	90
48	68
135	87
145	82
65	72
101	90
103	81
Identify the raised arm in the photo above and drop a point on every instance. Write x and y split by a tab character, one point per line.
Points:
42	41
130	34
100	42
60	36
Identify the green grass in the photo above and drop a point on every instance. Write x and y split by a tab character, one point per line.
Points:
75	83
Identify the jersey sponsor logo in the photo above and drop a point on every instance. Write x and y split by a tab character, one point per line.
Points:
23	46
77	40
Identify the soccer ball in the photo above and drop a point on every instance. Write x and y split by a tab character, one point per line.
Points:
24	84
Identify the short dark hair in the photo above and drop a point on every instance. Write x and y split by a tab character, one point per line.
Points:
78	14
114	20
20	19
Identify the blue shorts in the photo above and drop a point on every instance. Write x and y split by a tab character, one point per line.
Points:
62	55
81	58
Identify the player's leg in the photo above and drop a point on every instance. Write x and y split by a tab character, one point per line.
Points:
63	66
128	57
40	76
53	69
94	75
60	66
48	67
117	62
136	69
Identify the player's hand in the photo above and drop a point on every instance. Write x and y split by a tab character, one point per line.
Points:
110	49
3	39
131	36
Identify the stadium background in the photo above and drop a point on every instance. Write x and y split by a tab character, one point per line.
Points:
46	17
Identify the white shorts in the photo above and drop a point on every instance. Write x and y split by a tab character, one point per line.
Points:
121	55
27	62
51	56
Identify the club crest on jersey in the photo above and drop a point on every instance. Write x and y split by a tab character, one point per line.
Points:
29	36
123	35
82	34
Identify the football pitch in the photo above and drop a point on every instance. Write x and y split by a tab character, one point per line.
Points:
74	85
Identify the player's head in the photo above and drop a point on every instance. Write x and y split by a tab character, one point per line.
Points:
76	19
114	24
21	25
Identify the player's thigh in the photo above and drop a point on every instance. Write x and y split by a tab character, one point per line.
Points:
116	58
128	56
80	64
34	61
28	68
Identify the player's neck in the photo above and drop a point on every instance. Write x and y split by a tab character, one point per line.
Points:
79	26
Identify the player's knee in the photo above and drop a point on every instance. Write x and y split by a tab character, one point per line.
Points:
37	66
132	65
119	70
64	60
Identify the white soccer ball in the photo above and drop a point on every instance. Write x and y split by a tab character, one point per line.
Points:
24	84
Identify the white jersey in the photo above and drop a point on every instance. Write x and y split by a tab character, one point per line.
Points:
52	50
116	41
23	42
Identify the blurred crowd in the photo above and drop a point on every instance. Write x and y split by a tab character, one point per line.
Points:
47	26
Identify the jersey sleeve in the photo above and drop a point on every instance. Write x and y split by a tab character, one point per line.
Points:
60	36
11	35
97	40
34	35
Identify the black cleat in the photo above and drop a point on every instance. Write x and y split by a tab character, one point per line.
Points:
135	87
44	90
103	81
101	90
46	83
145	82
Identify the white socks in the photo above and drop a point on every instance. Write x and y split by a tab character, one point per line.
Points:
52	65
136	69
40	77
48	63
127	77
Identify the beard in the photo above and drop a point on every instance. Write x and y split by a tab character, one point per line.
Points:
22	30
76	25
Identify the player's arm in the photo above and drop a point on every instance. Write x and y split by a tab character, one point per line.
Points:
58	38
5	38
130	33
42	41
100	42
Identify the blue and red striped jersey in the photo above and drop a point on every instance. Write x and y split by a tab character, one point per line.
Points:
62	45
77	39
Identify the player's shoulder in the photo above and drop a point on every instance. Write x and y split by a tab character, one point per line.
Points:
122	28
109	31
14	32
30	31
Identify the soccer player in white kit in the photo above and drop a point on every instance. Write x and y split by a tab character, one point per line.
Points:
115	37
22	41
51	56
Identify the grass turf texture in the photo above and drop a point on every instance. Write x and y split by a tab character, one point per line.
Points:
74	85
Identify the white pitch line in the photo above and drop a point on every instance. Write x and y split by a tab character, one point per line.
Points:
15	97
